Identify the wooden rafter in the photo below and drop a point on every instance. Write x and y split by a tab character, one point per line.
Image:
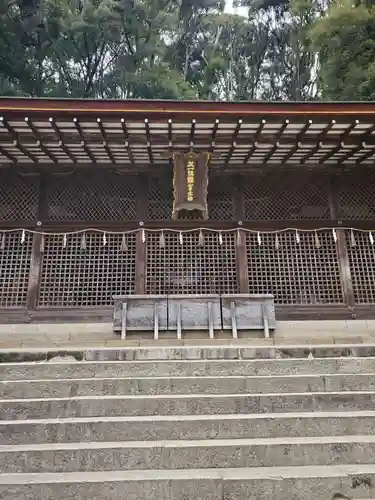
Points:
351	153
280	133
61	140
312	152
16	142
105	140
298	144
148	136
255	143
126	137
192	133
366	155
83	142
8	155
39	139
234	143
271	152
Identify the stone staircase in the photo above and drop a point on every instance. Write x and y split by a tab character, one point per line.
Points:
181	423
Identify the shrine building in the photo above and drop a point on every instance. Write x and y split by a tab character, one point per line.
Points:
101	198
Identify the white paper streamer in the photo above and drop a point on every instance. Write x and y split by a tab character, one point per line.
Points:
259	239
371	238
220	238
124	245
317	241
334	234
297	237
23	237
277	243
162	240
201	239
181	238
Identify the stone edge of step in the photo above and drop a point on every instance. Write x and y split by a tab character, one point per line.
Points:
235	474
191	443
204	352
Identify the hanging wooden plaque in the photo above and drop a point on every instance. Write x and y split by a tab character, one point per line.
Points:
190	181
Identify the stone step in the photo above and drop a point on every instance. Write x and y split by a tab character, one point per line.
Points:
263	483
170	454
52	388
77	370
199	352
185	427
177	404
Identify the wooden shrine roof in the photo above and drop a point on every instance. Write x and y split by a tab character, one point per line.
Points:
139	133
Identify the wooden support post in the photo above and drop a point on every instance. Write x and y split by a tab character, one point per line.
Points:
141	246
241	251
34	273
38	243
342	249
241	262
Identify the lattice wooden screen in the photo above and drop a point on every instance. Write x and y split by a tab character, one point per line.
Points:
357	194
296	273
91	196
220	198
15	260
189	268
78	276
286	195
160	198
361	255
19	196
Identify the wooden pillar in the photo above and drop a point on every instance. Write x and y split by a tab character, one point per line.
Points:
241	251
141	247
37	248
342	249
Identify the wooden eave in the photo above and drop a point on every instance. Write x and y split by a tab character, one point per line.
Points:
132	134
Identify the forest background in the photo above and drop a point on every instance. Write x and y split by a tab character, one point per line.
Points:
274	50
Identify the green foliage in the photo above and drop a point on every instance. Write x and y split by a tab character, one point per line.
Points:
345	40
187	49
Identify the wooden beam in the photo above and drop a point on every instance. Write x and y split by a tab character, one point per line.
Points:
15	106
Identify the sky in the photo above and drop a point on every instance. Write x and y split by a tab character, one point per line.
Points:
242	11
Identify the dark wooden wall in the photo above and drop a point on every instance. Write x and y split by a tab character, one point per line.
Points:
311	273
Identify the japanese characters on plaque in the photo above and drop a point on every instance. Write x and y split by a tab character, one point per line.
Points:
190	182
